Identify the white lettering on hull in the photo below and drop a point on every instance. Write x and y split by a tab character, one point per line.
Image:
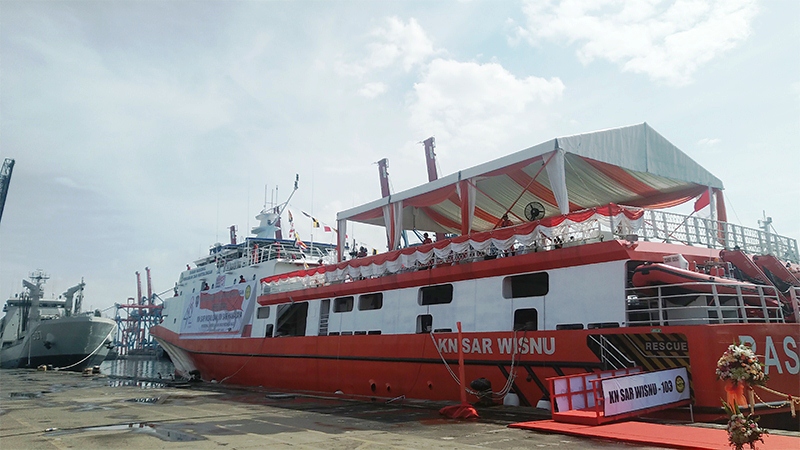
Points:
773	359
505	346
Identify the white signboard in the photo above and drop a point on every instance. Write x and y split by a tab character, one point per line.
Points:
218	311
645	390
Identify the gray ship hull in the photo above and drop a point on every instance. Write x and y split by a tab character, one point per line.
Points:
67	343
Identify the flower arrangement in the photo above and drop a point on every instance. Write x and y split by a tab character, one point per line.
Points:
743	430
740	365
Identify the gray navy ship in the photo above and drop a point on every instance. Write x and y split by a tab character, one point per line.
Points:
52	332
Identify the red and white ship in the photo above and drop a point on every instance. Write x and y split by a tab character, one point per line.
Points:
555	293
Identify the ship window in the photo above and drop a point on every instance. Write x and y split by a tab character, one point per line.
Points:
263	312
370	301
291	319
528	285
603	325
436	295
526	319
424	323
343	304
569	326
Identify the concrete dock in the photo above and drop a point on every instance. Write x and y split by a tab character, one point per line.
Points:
60	410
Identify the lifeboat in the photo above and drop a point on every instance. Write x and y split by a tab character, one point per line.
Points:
676	281
780	273
748	268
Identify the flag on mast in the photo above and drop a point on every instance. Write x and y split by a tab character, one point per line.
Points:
299	242
703	201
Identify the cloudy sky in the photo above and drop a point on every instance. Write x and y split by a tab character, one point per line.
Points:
141	130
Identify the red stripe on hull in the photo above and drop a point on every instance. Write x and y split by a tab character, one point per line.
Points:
410	365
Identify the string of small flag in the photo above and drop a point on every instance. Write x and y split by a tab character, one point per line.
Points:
316	223
357	249
298	242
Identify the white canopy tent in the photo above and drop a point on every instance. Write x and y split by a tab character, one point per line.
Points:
631	165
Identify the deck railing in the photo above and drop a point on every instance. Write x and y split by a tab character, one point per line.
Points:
692	304
651	226
693	230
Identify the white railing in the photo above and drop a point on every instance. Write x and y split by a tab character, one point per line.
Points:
255	255
702	303
650	226
692	230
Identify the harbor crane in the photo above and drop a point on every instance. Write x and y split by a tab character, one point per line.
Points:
5	179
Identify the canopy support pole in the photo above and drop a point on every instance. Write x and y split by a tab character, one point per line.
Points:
526	187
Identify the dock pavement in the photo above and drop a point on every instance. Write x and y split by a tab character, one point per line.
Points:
66	410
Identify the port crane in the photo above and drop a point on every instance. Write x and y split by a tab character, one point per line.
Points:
5	180
135	318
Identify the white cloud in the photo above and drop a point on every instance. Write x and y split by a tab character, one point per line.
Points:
666	39
395	43
406	43
372	90
708	142
478	105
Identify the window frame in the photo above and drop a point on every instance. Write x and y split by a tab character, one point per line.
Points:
343	300
515	286
369	300
421	299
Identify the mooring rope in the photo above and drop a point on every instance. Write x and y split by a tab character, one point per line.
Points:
102	343
512	375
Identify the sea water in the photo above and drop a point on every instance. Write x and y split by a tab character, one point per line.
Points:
138	368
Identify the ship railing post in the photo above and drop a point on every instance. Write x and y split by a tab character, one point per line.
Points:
733	234
687	232
697	238
715	296
666	227
653	230
740	304
744	240
718	308
661	311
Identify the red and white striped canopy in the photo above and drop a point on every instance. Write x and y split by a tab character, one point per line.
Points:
632	165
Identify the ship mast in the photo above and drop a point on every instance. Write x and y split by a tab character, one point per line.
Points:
430	160
38	279
69	295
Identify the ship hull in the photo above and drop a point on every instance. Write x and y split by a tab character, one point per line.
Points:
416	365
68	343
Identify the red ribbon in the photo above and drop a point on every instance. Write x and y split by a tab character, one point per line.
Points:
735	393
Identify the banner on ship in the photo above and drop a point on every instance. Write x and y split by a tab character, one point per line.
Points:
645	390
218	311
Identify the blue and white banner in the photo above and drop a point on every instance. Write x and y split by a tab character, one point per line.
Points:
645	390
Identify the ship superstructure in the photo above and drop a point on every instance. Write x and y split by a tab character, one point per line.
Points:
54	332
538	267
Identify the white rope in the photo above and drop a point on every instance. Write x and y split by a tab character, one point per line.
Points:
102	343
509	381
249	358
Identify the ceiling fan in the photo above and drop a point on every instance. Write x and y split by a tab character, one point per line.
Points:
534	211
